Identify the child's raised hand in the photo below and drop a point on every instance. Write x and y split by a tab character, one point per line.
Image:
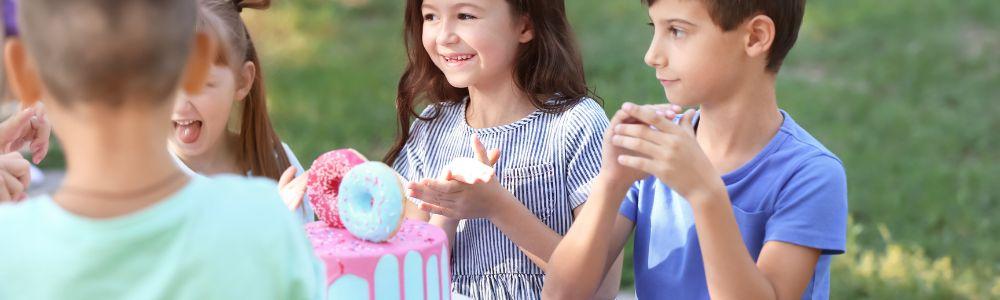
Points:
16	175
292	189
27	127
667	150
611	169
467	189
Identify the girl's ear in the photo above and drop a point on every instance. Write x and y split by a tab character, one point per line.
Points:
24	78
527	30
248	73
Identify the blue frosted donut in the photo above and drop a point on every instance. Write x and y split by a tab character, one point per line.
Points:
371	201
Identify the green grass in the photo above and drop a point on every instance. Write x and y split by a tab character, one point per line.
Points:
902	90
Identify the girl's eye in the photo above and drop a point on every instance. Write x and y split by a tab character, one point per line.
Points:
430	17
466	17
210	84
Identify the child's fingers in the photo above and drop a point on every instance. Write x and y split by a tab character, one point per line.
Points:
287	176
437	210
424	192
650	117
39	149
637	145
687	121
293	203
620	117
5	196
14	187
443	186
465	177
299	184
14	164
14	128
416	190
668	108
639	163
641	132
479	150
40	142
494	156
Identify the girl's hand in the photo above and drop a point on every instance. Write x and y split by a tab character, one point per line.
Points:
27	127
15	172
667	150
463	194
292	189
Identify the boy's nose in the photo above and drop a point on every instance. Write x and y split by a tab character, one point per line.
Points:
656	55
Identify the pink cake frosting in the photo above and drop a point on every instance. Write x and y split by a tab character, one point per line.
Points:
345	254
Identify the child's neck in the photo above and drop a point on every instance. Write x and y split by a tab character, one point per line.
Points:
115	153
734	130
217	160
497	104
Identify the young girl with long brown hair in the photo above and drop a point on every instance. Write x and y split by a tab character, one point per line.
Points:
503	75
225	128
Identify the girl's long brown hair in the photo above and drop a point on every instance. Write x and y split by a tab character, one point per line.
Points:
548	69
259	151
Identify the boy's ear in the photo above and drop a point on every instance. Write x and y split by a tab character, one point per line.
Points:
198	63
759	36
23	77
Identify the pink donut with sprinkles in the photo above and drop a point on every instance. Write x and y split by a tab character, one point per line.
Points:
325	176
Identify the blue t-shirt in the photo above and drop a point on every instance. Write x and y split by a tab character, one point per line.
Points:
793	191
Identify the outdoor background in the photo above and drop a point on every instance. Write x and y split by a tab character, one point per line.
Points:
904	91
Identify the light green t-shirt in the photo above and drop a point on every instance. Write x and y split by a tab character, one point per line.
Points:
224	237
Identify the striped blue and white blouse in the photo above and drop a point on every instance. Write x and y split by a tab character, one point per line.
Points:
547	161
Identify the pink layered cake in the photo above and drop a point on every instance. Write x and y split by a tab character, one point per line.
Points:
411	264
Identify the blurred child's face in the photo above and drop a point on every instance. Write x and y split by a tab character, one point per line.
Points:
695	61
473	42
200	120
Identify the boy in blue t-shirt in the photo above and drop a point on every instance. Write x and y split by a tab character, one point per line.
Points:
734	201
126	223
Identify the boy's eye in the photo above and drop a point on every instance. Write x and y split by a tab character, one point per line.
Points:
430	17
466	17
677	32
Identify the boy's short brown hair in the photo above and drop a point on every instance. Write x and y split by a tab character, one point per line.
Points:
787	16
108	51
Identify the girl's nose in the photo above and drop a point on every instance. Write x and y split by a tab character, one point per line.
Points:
183	103
447	36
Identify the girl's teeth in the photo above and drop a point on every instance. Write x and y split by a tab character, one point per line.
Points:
458	58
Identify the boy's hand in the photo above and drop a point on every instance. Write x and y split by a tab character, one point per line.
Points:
26	127
611	169
667	150
463	194
15	172
292	189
